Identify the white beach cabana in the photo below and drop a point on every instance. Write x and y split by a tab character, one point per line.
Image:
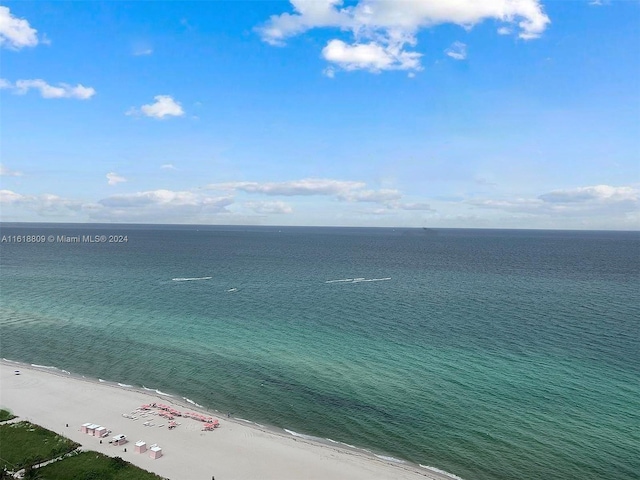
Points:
84	427
141	446
100	432
155	451
119	440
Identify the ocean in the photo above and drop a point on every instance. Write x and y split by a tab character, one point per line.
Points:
488	354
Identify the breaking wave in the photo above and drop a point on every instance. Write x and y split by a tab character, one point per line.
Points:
442	472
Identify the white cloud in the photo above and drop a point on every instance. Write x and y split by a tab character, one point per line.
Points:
602	202
307	186
160	206
269	207
62	90
374	196
596	193
151	206
343	190
113	178
45	204
165	106
415	206
7	172
142	52
505	31
309	14
168	166
154	197
382	29
8	197
16	33
370	56
457	51
329	72
393	205
165	198
525	205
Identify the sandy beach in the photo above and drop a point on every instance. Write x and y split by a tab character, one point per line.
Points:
236	450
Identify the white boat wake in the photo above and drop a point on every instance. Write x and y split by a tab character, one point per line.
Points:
190	279
358	280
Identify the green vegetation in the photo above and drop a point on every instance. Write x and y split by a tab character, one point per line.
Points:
23	444
94	466
6	415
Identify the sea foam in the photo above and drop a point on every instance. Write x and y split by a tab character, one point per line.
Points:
389	459
49	367
188	400
300	435
442	472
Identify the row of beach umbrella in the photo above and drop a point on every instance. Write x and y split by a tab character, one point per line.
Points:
160	406
199	417
211	425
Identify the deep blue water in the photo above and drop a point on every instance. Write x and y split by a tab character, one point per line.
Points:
491	354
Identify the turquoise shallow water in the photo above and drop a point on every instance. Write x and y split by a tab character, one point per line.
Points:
488	354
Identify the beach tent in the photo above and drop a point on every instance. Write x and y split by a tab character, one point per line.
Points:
84	427
119	440
100	432
141	446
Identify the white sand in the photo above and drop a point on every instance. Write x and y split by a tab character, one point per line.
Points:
236	450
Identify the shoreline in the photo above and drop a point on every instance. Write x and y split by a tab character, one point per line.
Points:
278	452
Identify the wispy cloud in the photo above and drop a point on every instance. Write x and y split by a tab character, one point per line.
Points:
162	197
142	51
164	106
16	33
168	166
45	204
61	90
7	172
141	47
415	206
598	200
373	196
160	205
457	51
341	190
596	193
154	205
307	186
269	207
113	178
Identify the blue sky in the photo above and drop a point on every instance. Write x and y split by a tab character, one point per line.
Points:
425	113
